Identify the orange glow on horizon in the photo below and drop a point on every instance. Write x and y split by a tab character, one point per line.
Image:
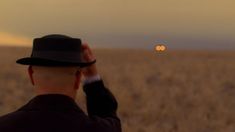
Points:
8	39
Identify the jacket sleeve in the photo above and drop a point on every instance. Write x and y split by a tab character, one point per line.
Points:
102	107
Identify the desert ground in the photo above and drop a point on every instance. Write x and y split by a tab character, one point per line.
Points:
174	91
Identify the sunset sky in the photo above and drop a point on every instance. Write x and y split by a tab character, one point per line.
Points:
183	24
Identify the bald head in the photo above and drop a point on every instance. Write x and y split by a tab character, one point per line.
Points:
55	79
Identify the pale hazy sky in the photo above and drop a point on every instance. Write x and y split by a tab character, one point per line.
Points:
123	23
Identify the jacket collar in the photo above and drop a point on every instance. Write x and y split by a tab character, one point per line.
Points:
51	102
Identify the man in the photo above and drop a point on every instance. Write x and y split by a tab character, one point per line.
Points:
56	66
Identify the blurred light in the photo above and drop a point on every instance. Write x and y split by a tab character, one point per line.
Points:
160	48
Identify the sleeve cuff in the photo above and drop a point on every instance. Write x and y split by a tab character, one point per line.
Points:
91	79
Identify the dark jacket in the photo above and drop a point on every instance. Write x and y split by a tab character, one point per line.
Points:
60	113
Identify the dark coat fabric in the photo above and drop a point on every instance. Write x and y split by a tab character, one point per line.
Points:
60	113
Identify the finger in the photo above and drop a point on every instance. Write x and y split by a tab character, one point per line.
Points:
87	47
84	46
87	56
87	53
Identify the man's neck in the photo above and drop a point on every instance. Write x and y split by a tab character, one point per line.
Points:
42	91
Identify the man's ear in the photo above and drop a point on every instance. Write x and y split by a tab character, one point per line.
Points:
77	79
30	72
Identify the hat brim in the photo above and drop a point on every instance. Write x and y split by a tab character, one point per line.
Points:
48	62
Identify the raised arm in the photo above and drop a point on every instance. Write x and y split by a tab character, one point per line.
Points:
101	104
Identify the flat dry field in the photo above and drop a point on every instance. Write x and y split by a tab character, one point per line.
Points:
176	91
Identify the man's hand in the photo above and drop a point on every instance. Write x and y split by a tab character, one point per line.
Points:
88	56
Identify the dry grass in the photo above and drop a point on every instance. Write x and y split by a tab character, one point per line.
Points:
178	91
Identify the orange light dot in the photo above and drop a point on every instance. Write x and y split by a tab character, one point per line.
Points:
160	48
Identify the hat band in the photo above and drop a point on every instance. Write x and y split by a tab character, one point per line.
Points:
57	55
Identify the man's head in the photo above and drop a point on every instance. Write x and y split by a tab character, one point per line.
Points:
55	63
61	80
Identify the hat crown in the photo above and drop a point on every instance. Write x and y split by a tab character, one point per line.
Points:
57	42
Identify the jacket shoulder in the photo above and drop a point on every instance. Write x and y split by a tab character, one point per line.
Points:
11	119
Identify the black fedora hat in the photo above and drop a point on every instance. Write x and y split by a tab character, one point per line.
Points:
56	50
